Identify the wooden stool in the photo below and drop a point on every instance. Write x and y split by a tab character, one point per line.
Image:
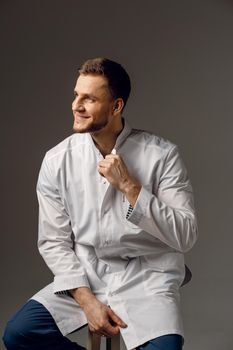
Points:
94	342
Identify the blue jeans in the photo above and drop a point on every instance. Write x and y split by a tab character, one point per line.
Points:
33	327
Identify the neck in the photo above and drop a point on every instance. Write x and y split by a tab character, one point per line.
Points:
105	138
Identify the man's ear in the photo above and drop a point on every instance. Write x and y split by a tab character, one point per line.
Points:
118	105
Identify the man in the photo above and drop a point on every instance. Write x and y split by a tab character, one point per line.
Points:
116	217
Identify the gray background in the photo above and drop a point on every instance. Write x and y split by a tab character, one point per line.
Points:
180	57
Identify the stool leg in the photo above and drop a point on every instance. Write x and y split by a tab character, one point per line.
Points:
93	341
114	343
108	343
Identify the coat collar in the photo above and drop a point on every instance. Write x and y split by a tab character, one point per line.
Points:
120	138
123	135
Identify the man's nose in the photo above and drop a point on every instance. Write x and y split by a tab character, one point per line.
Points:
77	105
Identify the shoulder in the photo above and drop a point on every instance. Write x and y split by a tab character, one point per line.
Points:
150	141
67	146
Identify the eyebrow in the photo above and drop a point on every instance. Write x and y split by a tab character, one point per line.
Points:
86	95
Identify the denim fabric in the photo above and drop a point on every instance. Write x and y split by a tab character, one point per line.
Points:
33	327
165	342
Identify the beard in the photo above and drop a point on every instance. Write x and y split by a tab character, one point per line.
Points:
85	126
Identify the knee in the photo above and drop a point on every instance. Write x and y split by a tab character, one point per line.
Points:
10	336
13	335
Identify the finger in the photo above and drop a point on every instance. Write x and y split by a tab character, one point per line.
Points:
111	330
104	168
117	319
101	170
112	156
101	332
107	330
92	330
105	163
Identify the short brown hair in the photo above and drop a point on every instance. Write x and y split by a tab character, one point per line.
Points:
117	77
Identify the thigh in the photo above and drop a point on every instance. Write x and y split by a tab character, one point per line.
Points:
164	342
34	319
65	311
33	327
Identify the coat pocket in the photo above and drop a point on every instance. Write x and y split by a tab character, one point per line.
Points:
165	261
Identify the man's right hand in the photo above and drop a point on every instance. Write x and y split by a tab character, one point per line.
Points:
101	318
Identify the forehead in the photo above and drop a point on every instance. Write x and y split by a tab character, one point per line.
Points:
92	84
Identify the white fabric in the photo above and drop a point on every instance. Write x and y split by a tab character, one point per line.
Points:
134	265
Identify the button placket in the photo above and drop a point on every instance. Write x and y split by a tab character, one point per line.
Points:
106	233
105	215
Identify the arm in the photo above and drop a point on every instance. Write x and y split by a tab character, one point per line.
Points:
168	215
55	244
101	318
55	235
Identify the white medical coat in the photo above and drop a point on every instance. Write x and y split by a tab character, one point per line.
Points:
134	265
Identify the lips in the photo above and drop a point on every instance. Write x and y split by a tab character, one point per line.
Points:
78	117
81	116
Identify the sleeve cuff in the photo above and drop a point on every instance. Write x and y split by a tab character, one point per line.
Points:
137	212
129	212
63	283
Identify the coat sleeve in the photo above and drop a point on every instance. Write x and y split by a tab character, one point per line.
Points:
55	242
169	215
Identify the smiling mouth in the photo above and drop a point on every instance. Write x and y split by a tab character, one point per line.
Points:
78	117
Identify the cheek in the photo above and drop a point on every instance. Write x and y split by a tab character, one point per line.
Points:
94	110
97	111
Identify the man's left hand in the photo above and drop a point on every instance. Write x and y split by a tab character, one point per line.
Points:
115	171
